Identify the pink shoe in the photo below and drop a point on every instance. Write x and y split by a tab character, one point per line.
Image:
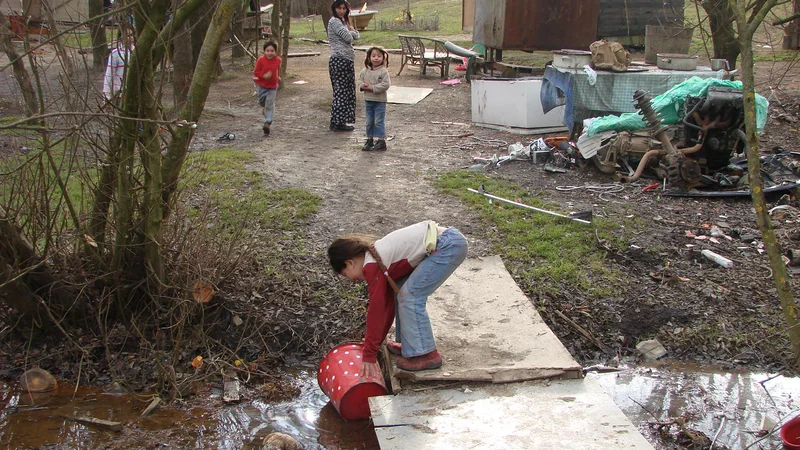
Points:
428	361
395	348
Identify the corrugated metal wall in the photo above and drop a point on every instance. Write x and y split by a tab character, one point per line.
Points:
535	24
629	17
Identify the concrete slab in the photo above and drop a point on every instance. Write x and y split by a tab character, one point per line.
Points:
406	95
487	330
556	414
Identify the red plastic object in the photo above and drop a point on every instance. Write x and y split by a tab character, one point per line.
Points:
790	434
339	379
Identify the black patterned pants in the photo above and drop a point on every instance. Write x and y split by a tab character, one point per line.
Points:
343	82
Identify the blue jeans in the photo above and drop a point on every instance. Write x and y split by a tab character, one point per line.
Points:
412	324
268	95
376	116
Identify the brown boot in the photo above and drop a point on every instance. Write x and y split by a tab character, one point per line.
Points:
428	361
395	348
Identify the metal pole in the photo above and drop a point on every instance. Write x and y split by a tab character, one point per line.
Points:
512	202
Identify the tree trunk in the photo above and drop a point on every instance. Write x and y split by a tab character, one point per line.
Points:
237	31
721	23
25	278
198	93
780	278
20	72
182	66
791	38
286	23
98	30
324	10
275	21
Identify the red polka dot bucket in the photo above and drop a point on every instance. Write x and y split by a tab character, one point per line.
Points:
339	379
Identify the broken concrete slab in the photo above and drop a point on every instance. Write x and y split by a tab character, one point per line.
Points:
563	414
487	330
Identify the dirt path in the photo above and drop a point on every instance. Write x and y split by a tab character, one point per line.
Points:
362	191
700	311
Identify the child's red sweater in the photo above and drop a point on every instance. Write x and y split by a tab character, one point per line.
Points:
264	65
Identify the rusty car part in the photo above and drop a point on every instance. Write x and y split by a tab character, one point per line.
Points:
706	134
681	172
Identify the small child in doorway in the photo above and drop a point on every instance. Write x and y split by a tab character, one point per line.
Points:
374	81
266	76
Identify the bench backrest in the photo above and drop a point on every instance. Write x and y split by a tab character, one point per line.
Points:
417	45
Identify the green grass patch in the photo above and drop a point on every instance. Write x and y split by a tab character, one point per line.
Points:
13	131
239	195
777	55
448	13
543	251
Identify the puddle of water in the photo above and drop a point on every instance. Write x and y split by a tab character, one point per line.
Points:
644	395
39	420
659	393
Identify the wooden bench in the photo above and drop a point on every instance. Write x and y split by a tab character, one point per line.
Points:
424	51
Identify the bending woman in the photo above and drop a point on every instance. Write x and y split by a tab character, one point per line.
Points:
341	67
406	265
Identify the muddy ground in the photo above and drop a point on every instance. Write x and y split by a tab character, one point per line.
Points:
697	309
701	312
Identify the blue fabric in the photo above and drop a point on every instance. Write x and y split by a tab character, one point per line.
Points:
557	91
375	113
268	96
412	324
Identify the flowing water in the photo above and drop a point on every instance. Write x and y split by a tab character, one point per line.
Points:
644	394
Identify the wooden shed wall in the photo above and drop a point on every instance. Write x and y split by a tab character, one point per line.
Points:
629	17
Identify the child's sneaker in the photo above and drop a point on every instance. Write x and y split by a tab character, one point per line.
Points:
368	145
379	145
266	129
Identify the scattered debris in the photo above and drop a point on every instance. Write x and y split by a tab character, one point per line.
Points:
280	441
37	380
651	349
99	423
719	259
231	388
586	334
581	217
152	406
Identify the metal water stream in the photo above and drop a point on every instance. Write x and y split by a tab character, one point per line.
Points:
644	394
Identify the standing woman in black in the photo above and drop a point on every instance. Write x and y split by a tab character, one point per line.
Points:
341	67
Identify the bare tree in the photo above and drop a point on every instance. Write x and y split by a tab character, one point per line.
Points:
748	16
721	25
98	30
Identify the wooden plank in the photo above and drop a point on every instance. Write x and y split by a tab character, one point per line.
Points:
302	54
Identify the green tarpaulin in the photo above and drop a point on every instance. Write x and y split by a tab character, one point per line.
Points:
668	104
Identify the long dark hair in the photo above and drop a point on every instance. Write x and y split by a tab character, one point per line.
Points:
348	247
353	245
368	63
335	4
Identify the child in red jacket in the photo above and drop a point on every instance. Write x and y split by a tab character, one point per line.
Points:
266	77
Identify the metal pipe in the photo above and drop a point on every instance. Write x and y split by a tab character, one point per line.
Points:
640	168
521	205
642	164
